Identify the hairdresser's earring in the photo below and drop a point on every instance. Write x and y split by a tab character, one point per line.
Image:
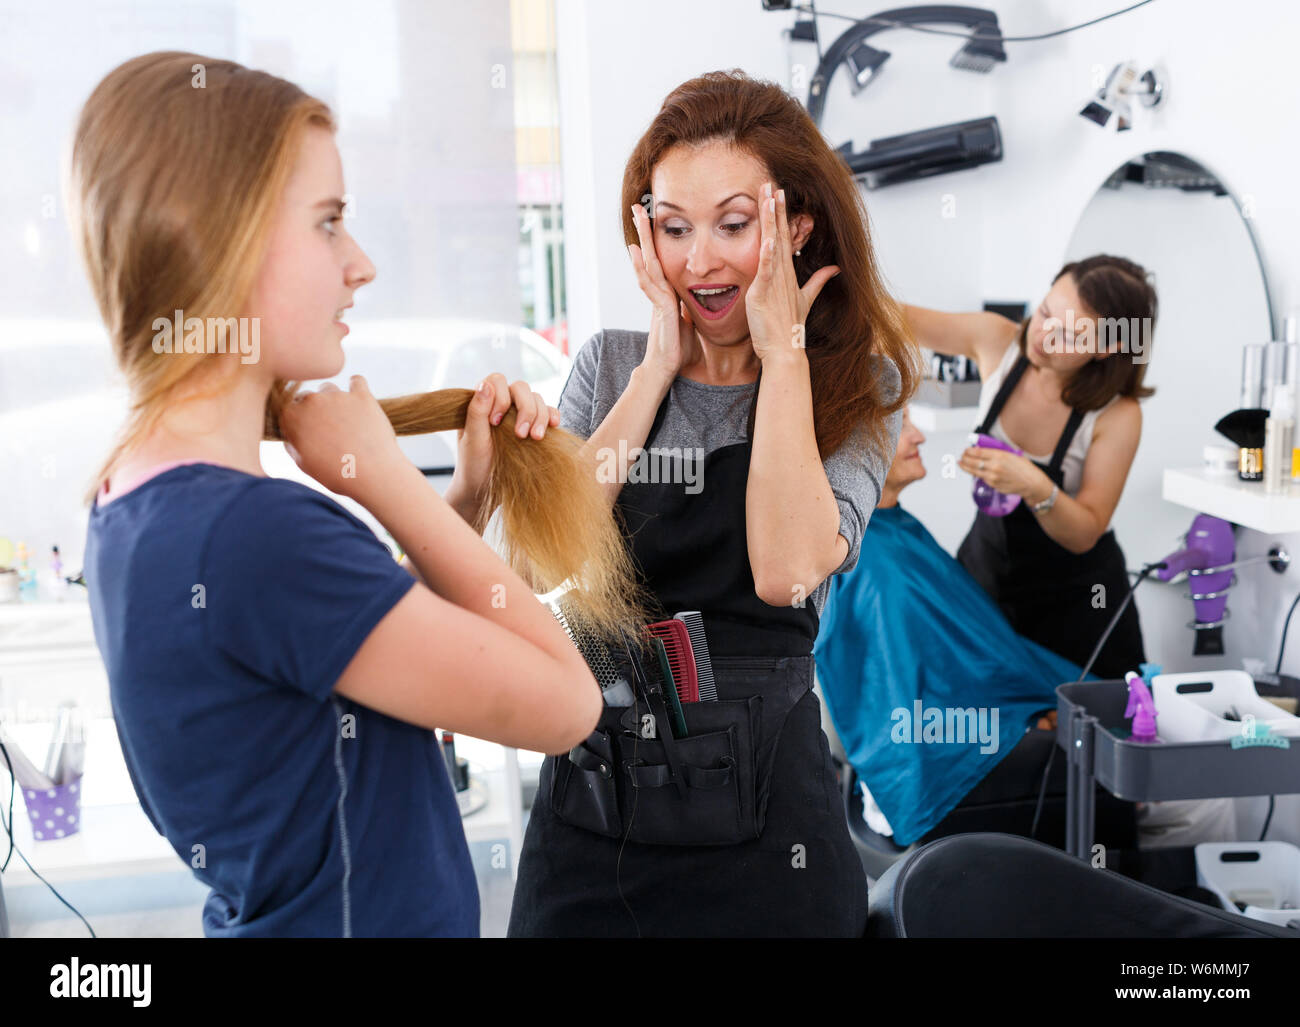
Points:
797	252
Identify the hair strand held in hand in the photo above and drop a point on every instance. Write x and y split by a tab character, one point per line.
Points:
557	526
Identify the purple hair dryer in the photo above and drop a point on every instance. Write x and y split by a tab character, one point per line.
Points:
987	498
1209	543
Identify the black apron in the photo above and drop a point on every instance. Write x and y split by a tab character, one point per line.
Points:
781	862
1049	594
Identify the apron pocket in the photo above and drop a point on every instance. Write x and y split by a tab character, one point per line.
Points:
618	783
707	810
716	803
583	792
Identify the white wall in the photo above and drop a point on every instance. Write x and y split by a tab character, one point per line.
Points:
432	183
1212	299
1231	99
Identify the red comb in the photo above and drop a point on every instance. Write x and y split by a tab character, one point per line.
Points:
681	657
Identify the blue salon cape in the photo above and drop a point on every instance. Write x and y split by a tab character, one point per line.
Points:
907	640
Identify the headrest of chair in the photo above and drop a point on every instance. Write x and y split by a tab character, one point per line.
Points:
987	885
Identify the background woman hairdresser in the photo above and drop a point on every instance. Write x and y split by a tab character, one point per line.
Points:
738	218
1053	386
274	673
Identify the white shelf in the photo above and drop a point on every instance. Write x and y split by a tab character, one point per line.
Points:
113	841
1241	502
119	840
52	630
936	419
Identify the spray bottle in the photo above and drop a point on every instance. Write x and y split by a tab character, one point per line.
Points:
987	498
1142	708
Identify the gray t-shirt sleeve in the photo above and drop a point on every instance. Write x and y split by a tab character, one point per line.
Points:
857	471
578	397
707	417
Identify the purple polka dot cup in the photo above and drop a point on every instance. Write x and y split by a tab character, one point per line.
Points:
54	812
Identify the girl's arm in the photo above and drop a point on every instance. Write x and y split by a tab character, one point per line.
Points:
475	651
491	401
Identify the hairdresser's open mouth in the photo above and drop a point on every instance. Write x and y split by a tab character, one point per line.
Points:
714	301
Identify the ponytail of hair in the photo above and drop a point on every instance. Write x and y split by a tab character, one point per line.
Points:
557	527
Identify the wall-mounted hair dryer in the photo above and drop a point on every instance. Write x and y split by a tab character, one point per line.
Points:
1208	546
1208	557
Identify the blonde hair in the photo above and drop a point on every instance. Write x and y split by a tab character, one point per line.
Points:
177	166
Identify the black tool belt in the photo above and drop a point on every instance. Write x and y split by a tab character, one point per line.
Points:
632	778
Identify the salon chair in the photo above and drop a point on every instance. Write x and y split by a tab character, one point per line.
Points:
987	885
876	851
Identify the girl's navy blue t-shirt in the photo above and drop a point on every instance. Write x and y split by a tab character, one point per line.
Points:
225	606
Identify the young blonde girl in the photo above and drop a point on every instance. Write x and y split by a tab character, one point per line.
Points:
274	674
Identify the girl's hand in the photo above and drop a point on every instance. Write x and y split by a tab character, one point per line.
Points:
1008	473
672	333
342	439
474	442
775	304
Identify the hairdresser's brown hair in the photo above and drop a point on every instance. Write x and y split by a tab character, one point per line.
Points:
854	316
1110	287
178	163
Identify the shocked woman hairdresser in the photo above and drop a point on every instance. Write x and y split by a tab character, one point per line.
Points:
777	358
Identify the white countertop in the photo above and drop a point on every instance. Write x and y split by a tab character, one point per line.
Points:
1226	496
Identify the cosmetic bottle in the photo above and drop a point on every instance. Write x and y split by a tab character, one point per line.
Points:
1245	429
1252	375
1279	431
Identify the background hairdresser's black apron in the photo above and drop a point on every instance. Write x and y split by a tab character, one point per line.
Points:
1049	594
802	875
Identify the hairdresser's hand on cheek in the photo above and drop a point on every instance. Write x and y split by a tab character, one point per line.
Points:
775	304
671	328
342	439
487	409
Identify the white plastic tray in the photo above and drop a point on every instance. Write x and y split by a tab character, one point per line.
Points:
1208	706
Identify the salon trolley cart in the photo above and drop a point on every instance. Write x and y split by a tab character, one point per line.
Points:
1094	733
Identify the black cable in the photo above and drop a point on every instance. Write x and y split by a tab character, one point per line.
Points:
1042	790
817	36
13	847
1285	624
618	863
637	675
1051	755
971	35
1281	648
13	778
